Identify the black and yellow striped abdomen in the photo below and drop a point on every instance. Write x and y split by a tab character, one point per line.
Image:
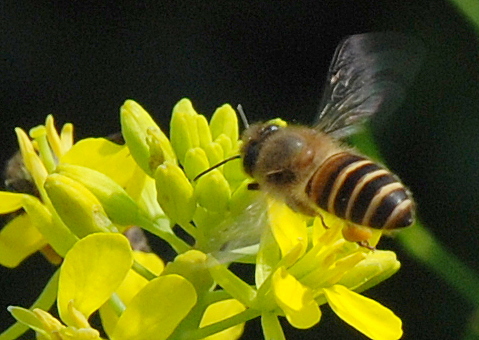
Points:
358	190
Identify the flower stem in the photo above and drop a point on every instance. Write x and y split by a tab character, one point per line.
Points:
117	304
217	327
143	271
420	243
470	8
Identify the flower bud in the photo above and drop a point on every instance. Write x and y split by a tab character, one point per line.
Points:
204	132
175	193
192	266
225	121
50	226
215	153
195	162
184	128
77	206
226	144
119	206
147	143
213	192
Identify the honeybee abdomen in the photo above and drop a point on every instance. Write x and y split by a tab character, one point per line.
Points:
356	189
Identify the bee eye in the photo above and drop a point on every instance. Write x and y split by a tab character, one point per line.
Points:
268	130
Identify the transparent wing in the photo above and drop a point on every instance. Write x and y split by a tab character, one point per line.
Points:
368	75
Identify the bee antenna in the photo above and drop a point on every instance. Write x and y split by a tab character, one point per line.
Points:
243	116
216	166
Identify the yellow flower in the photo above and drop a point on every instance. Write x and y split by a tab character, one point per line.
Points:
301	265
49	328
91	191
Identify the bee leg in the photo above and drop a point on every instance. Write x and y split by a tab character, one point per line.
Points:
366	245
253	186
325	226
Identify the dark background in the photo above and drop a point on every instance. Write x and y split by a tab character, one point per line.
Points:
81	60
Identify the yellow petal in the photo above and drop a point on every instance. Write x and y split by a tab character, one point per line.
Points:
220	311
100	154
53	137
31	159
156	310
93	269
10	202
18	240
289	228
295	299
30	319
132	284
366	315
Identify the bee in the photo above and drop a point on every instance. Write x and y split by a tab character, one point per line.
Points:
312	169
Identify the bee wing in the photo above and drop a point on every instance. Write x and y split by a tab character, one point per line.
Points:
368	75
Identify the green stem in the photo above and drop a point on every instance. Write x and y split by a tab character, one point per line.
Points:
143	271
470	8
190	229
420	243
217	327
117	304
161	228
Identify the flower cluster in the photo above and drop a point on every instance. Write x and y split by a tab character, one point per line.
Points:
91	193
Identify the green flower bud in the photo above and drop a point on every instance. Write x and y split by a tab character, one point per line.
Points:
242	198
204	132
77	206
192	266
148	144
183	128
119	206
213	192
195	162
215	153
225	143
225	121
175	193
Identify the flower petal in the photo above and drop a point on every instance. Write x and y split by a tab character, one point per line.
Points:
375	268
132	284
28	318
100	154
10	202
157	309
220	311
93	269
295	299
366	315
289	228
18	240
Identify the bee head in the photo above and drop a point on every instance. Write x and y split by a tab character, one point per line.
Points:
253	138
